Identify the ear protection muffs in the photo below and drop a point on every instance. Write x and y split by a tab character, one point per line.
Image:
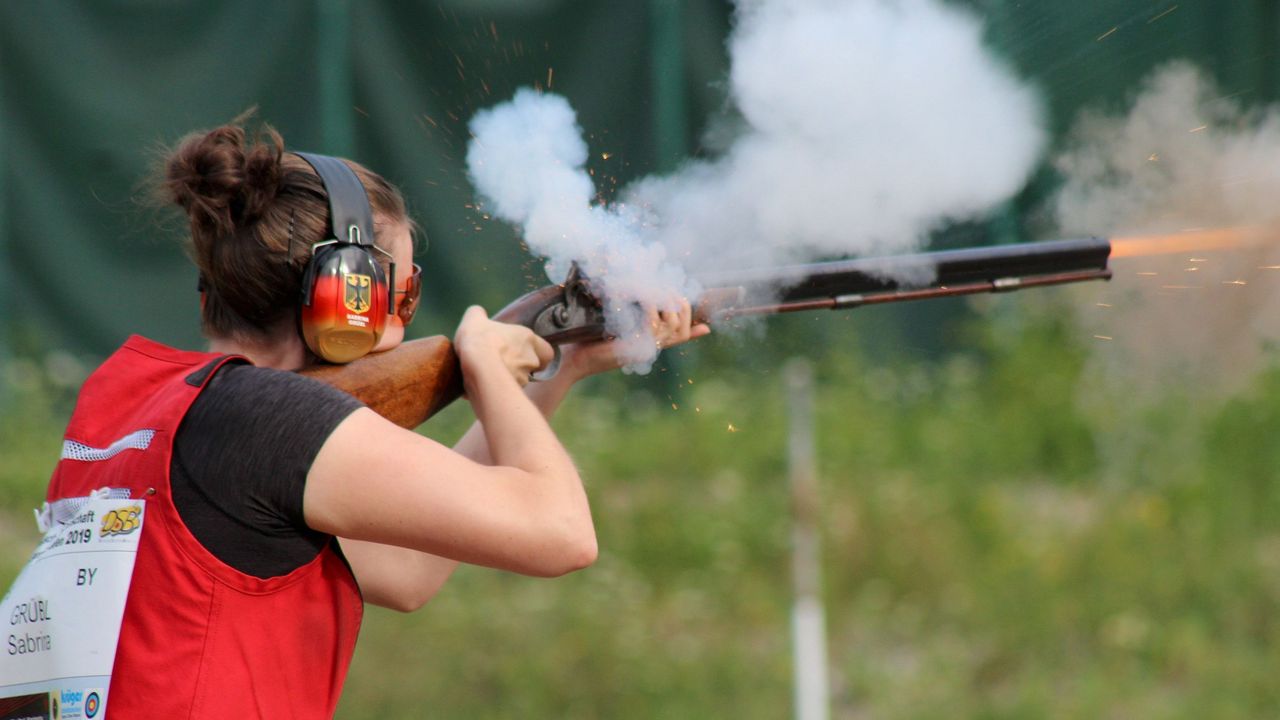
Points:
346	296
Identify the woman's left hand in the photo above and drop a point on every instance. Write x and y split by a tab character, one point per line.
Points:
669	328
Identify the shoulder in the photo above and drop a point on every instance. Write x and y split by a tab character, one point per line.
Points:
240	463
257	398
245	379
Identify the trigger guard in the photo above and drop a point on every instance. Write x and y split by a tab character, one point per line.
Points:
550	370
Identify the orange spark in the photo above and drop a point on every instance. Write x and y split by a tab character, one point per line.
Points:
1183	242
1103	337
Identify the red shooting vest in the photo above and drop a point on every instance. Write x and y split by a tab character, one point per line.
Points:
200	639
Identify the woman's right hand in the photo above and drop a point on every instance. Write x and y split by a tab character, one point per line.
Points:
480	340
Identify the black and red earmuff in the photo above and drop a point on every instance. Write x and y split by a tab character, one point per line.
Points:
347	298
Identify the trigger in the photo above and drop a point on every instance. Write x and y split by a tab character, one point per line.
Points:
550	370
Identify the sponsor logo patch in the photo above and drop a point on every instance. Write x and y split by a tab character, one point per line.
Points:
121	521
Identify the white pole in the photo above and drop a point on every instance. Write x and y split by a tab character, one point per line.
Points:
808	624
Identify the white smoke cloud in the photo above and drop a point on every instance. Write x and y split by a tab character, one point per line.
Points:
1183	156
866	124
1185	162
527	159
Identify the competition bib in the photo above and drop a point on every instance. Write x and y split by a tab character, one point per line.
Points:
62	616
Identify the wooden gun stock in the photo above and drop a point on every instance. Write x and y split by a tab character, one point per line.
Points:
406	385
418	379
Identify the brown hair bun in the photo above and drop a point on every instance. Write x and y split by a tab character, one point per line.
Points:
218	183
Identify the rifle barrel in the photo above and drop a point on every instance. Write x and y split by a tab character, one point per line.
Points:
852	283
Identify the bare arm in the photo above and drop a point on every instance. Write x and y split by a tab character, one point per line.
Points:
395	577
405	579
375	482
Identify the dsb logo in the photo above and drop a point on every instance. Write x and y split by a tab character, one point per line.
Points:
121	521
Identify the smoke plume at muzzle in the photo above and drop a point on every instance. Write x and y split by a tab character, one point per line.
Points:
861	126
1189	181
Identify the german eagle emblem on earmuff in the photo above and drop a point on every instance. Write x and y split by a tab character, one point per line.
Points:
357	297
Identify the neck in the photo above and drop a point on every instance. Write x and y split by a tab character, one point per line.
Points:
283	353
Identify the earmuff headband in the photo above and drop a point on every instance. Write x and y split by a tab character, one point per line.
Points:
350	217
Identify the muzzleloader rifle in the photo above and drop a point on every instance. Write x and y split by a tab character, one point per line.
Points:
411	383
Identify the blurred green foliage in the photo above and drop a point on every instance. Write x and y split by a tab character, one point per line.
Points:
1001	540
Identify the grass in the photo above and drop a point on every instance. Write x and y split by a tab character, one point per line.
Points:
998	543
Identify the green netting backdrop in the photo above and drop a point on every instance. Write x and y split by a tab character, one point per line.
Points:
90	90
